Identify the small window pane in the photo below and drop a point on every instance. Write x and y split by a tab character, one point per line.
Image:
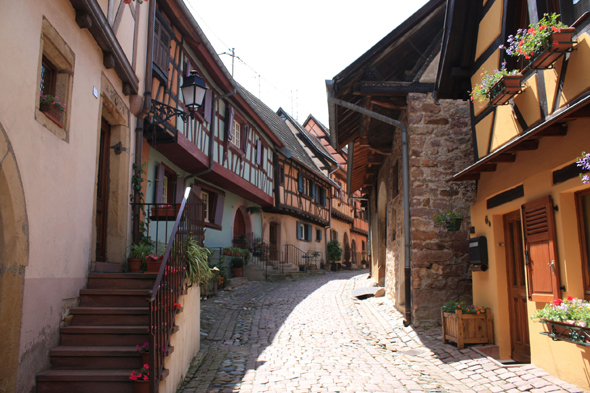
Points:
205	199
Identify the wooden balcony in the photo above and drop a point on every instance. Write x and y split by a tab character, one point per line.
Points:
342	210
360	224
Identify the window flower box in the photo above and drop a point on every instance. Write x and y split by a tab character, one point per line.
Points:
506	88
164	213
464	329
571	331
559	44
55	114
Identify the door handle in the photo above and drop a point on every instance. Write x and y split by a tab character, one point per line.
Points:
552	266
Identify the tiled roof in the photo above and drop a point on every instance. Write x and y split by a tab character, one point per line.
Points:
311	138
281	130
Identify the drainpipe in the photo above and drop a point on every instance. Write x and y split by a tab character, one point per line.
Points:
406	189
147	104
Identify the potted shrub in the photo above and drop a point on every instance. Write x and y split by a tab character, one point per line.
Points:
197	267
566	319
140	379
144	350
237	267
464	324
447	221
153	263
334	253
499	86
52	108
137	256
542	43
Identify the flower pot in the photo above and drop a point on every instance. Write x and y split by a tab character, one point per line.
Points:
167	213
141	387
467	328
53	113
454	225
559	44
237	271
153	266
505	89
134	265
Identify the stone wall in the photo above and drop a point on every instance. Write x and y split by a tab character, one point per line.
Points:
440	146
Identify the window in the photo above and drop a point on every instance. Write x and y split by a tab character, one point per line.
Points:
304	231
169	186
318	235
55	77
281	174
205	199
583	210
334	235
307	187
236	137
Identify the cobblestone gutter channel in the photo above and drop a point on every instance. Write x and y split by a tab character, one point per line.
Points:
312	336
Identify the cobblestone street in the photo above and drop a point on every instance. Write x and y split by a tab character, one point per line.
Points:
311	335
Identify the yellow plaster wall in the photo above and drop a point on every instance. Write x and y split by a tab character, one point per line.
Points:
482	133
490	28
490	64
288	233
577	78
534	170
551	77
528	101
506	127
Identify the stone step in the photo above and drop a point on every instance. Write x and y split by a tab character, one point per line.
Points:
121	280
104	335
97	357
114	297
110	316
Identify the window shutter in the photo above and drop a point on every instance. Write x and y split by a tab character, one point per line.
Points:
245	137
179	189
300	182
229	125
541	250
161	46
309	233
219	209
196	190
299	231
208	105
323	197
159	183
259	152
314	192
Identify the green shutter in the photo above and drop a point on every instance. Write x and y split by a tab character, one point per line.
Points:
309	233
300	181
299	231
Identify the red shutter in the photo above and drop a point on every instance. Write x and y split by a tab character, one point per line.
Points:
229	126
245	137
541	247
179	189
219	209
160	183
208	105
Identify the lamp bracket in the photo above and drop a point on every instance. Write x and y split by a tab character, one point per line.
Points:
162	113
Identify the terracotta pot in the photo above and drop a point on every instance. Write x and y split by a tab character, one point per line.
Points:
237	272
545	58
153	266
141	387
505	89
134	265
52	113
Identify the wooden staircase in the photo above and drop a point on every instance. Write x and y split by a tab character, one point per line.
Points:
97	352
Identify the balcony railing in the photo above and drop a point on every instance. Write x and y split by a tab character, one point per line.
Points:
342	210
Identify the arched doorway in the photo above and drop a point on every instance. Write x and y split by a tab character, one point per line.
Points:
346	245
239	224
274	242
353	250
14	258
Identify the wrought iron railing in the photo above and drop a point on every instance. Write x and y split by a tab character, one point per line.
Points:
169	283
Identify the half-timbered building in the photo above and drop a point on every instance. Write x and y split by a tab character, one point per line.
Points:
225	151
402	145
531	208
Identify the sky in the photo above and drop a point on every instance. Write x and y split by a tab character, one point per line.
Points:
285	50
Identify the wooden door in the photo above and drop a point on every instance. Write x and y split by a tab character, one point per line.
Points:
517	292
102	192
239	224
273	241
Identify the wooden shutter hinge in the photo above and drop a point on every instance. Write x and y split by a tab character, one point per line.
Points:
555	208
562	288
526	257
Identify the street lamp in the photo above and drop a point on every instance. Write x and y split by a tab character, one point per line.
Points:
193	93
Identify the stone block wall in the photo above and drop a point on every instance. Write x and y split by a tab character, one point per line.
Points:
440	146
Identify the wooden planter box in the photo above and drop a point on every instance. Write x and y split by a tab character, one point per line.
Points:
564	331
53	114
505	89
547	57
467	328
164	213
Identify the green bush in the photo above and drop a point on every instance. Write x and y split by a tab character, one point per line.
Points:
197	268
334	251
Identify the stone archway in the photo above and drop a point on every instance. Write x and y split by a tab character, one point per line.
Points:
353	252
14	257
